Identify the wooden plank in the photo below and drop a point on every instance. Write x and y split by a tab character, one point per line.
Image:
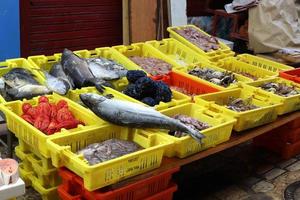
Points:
236	139
143	20
125	20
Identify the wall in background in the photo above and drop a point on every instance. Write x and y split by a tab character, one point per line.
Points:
9	29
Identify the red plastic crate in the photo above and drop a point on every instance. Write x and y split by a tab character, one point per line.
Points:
72	187
164	195
274	143
293	75
191	86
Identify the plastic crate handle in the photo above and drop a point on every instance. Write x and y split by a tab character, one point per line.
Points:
260	96
212	114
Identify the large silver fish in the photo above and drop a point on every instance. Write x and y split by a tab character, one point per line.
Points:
78	70
105	69
134	115
19	83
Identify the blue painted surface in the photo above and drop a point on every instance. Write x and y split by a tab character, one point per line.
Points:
9	29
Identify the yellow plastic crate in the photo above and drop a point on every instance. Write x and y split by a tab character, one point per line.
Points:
9	64
234	65
23	151
266	113
239	77
219	132
289	104
32	164
177	53
223	52
143	50
47	193
25	174
46	62
63	153
34	137
263	63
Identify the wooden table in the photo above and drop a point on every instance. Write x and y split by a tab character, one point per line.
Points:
236	139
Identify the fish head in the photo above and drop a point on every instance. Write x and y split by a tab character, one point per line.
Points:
91	99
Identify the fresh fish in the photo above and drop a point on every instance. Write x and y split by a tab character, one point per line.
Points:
18	77
78	69
58	72
134	115
27	91
56	84
100	152
20	83
105	69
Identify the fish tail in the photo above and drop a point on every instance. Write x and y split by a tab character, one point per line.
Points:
195	134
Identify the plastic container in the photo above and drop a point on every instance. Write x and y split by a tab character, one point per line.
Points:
143	50
167	194
192	87
292	75
263	63
219	132
72	187
236	66
239	78
289	104
24	151
285	149
9	64
177	53
34	137
266	113
46	62
25	174
47	193
223	52
164	195
63	154
34	165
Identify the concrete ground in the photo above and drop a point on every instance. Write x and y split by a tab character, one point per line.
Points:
239	173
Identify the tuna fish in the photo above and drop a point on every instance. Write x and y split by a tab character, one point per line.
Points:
19	83
78	70
134	115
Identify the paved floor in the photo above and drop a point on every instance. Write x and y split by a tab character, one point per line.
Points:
239	173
